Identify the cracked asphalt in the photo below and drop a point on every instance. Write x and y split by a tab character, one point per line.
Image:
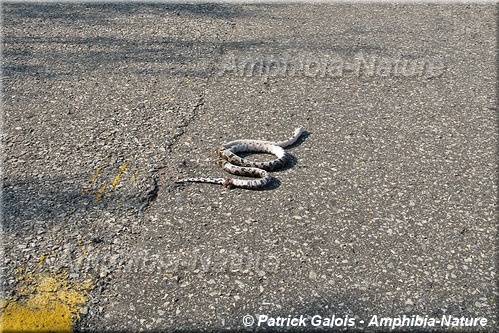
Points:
388	207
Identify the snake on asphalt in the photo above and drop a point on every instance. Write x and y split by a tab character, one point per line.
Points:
236	165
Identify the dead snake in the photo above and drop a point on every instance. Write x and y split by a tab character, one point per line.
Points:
236	165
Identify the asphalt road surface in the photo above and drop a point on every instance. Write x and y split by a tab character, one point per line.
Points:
387	209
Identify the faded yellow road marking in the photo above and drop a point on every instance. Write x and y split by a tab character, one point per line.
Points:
100	193
96	174
44	302
102	190
118	176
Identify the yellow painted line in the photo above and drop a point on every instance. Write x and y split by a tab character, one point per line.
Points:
103	187
100	193
96	174
40	261
118	176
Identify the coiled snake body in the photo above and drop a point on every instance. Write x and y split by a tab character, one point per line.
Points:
236	165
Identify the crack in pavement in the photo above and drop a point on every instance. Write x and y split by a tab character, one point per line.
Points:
152	195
